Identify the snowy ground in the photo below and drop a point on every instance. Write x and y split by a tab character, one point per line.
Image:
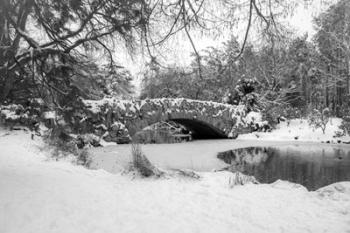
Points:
300	129
38	195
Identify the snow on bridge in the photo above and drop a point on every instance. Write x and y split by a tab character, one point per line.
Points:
205	119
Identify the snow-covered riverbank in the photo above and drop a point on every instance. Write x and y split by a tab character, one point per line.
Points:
41	195
299	130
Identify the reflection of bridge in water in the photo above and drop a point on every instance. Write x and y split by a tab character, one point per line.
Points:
204	118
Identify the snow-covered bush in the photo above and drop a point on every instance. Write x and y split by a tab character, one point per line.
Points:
11	112
33	114
271	113
244	94
61	144
256	123
345	126
290	113
274	113
87	140
118	133
319	119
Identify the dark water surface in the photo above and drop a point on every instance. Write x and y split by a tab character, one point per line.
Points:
311	166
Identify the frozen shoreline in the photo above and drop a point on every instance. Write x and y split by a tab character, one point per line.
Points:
201	153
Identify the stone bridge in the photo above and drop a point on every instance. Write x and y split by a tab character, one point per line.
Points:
112	117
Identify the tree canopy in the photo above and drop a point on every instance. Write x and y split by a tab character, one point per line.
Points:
44	45
47	47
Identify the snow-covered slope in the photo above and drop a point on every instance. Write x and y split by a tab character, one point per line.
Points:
300	130
42	196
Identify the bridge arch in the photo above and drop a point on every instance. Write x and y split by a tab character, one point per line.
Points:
204	118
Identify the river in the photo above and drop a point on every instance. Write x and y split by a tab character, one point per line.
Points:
200	155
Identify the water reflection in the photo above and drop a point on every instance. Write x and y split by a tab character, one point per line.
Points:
311	167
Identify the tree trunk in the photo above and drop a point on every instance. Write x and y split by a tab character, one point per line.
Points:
327	90
8	78
348	76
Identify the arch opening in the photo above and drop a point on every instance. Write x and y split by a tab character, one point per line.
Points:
200	129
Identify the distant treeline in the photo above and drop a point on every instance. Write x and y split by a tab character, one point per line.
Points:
303	73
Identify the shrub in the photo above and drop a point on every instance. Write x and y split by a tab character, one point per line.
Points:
319	119
273	113
345	126
63	145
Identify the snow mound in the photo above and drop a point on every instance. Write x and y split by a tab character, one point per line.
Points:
340	190
282	184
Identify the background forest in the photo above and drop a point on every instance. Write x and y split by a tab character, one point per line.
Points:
286	75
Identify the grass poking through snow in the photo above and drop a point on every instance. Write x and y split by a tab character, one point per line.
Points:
141	164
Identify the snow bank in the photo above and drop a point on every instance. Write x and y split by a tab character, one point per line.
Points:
44	196
336	191
300	130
